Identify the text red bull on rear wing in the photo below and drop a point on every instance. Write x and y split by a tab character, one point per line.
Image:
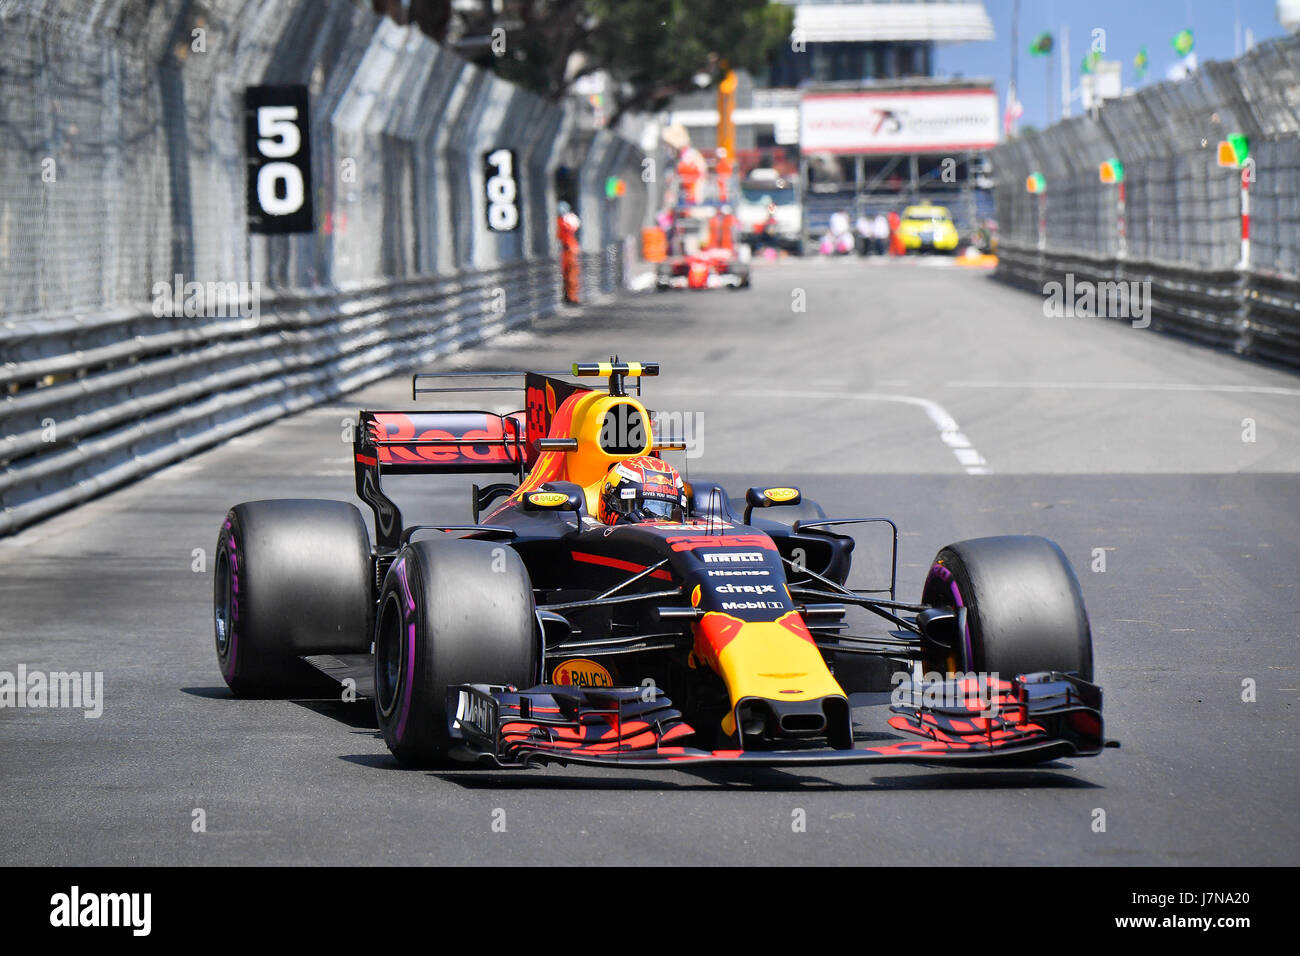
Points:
443	441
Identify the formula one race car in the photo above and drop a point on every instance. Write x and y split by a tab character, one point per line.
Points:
706	269
705	253
605	612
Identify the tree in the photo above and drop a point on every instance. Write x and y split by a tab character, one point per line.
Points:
433	17
541	38
652	49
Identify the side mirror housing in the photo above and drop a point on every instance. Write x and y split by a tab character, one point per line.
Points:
770	498
554	498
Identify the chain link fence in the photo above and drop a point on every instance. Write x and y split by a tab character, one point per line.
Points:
1182	225
122	167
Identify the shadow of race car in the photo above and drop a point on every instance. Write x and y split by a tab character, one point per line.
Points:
535	633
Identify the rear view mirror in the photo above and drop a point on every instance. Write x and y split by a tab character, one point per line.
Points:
553	499
770	497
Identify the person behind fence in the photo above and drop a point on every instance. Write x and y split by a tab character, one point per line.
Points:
880	233
566	231
893	235
838	238
664	220
864	235
767	228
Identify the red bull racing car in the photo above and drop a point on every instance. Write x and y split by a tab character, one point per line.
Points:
598	609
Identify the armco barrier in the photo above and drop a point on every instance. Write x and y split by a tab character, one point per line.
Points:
137	392
122	165
1183	225
1250	313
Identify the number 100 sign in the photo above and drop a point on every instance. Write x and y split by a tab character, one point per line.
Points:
277	149
501	189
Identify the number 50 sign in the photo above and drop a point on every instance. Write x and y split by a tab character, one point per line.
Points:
277	147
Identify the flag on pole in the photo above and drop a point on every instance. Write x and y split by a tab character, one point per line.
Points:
1042	45
1141	62
1183	42
1013	112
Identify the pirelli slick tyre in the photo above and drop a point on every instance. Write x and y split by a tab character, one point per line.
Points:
291	577
1023	604
451	611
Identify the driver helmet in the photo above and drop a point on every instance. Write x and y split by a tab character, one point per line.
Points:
643	488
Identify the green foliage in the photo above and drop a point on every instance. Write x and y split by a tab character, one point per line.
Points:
652	49
543	35
655	48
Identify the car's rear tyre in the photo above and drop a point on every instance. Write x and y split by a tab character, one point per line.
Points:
1024	608
450	612
291	577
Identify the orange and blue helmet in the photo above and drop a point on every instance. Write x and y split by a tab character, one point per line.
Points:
643	488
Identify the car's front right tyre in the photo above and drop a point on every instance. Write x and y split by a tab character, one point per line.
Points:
1024	608
451	611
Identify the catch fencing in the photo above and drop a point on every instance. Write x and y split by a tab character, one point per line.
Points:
140	318
1181	224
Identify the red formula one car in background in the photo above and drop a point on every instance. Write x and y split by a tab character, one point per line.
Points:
704	251
598	609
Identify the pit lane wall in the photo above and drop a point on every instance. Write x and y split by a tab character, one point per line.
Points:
122	166
1182	222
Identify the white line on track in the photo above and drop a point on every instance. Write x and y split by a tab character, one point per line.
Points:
1136	387
971	461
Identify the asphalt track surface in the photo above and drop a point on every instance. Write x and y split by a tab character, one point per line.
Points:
1093	433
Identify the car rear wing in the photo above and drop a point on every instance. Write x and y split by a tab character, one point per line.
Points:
468	442
430	442
442	441
542	393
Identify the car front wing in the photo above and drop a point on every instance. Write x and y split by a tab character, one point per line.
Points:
1031	719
